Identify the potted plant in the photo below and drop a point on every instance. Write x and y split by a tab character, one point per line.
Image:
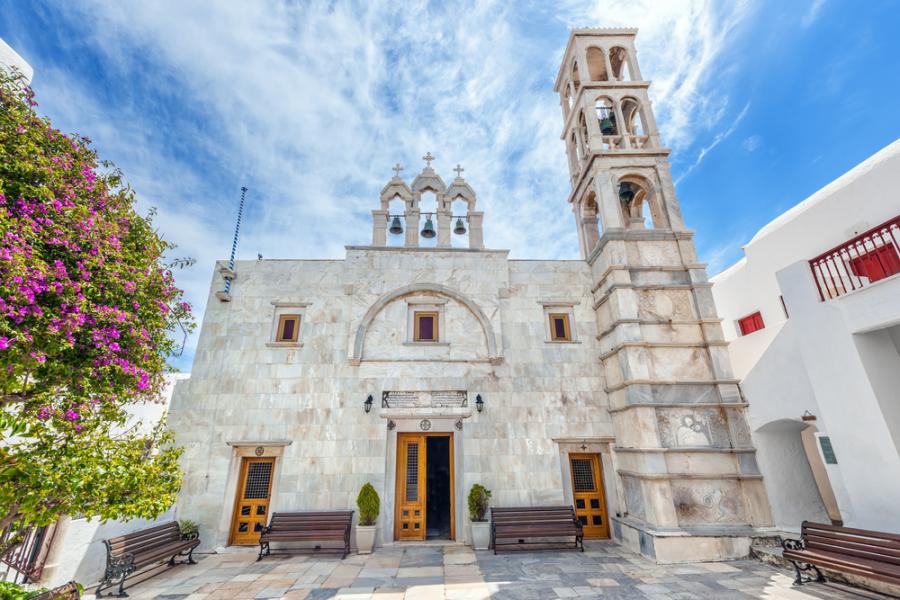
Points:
369	506
479	499
189	529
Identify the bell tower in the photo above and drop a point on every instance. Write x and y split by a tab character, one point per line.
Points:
685	465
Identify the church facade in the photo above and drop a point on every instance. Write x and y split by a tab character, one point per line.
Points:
602	383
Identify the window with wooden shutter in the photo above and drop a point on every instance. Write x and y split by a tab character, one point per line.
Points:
288	328
426	327
560	330
751	323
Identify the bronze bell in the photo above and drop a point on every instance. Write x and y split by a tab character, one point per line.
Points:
428	229
626	192
460	228
396	226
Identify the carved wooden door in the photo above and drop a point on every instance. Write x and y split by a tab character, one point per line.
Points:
251	507
411	461
587	488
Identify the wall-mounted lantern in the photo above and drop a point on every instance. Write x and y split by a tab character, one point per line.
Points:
479	403
368	404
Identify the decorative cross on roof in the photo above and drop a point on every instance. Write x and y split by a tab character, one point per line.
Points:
458	170
397	168
428	158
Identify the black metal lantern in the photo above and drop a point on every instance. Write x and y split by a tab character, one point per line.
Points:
460	228
368	403
626	192
396	226
479	403
428	230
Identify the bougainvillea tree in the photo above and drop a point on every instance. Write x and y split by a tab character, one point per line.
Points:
87	307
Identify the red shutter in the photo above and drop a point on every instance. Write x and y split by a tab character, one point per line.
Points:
751	323
876	264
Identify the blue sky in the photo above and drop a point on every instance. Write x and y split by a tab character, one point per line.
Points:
310	104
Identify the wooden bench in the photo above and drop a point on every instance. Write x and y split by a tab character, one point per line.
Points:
523	523
134	551
869	554
308	527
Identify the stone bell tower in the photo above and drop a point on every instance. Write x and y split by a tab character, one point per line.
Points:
685	463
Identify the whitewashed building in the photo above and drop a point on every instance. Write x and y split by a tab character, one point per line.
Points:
812	316
602	383
11	60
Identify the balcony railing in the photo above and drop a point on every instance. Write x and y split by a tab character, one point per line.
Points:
859	262
27	558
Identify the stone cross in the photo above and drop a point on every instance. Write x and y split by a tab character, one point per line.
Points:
458	170
397	168
428	158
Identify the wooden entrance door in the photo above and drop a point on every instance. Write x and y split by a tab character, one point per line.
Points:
251	505
411	498
587	488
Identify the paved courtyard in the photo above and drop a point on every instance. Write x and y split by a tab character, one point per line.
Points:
455	572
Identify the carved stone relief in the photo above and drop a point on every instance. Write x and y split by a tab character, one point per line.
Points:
693	428
698	502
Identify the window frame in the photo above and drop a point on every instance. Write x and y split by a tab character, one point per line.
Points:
560	307
567	327
282	311
297	318
435	324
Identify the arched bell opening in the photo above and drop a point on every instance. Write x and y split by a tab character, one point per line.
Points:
459	222
588	223
606	119
428	221
583	132
618	60
641	204
396	218
576	78
635	126
596	61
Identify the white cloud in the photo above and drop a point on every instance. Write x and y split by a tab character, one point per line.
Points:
752	143
812	13
309	104
717	139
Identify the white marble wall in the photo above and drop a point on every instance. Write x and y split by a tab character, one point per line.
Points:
539	395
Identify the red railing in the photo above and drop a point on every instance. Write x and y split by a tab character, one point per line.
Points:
28	557
859	262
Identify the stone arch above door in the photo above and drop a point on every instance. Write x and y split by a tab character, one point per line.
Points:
432	289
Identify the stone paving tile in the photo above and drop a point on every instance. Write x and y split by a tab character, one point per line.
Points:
454	572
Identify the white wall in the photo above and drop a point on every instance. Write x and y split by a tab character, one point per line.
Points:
851	378
77	552
10	58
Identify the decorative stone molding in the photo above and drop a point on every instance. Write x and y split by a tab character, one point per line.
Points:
425	288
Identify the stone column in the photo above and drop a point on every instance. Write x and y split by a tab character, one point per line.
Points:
589	234
443	228
412	227
476	231
379	227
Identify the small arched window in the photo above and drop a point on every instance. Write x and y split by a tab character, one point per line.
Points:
596	64
618	60
576	78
